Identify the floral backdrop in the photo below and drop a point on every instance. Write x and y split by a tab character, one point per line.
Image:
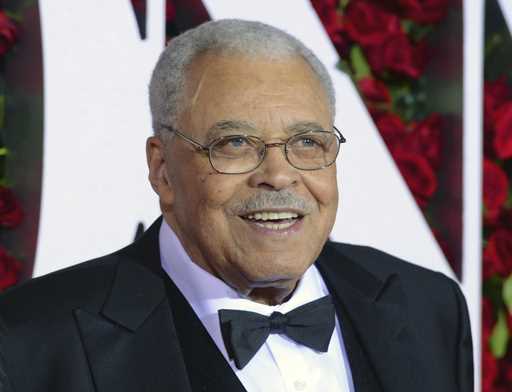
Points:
405	58
497	214
399	58
387	49
11	210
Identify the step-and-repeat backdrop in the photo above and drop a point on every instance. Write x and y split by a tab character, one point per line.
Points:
97	58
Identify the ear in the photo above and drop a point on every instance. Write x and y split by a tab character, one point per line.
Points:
158	176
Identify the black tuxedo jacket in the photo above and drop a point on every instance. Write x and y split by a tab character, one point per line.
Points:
118	323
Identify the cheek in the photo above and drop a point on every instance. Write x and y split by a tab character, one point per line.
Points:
213	194
215	191
324	187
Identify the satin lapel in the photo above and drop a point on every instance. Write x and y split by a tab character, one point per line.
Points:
378	313
207	368
131	342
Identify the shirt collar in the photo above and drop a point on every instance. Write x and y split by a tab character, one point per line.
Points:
207	293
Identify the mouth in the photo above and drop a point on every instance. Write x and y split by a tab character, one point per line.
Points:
274	221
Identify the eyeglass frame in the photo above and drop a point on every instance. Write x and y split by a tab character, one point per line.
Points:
206	149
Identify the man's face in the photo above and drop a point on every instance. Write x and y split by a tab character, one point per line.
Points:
215	215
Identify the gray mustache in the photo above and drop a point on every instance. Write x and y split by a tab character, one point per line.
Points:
265	200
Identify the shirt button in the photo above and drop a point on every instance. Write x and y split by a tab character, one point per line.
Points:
300	385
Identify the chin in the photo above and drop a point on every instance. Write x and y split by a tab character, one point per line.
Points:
277	276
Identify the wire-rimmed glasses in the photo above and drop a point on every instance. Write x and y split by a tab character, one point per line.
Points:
239	154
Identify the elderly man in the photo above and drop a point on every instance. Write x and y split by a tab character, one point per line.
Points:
236	287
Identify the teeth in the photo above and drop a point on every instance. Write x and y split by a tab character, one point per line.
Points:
275	226
265	216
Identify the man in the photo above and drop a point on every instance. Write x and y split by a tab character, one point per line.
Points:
235	288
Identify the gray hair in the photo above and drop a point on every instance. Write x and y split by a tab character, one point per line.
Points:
231	36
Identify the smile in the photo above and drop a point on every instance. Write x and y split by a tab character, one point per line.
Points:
276	221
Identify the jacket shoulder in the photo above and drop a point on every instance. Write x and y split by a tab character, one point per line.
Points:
45	297
382	265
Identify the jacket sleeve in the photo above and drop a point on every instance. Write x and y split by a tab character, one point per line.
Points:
464	365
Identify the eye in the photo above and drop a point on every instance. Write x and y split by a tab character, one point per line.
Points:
233	142
237	141
307	141
234	146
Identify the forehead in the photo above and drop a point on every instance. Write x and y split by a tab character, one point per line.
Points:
268	93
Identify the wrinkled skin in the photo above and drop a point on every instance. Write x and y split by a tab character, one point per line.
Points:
199	203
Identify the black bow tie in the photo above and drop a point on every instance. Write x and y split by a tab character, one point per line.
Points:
244	332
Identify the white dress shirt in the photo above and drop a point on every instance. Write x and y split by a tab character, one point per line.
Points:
280	365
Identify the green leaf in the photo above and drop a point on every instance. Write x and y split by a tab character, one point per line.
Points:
407	25
3	151
344	66
359	63
507	293
492	43
344	3
499	336
14	16
508	202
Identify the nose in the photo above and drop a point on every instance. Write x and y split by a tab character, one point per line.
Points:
275	172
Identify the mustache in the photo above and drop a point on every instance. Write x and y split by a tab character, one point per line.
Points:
266	200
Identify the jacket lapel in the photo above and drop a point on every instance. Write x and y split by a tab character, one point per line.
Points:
377	312
131	342
207	367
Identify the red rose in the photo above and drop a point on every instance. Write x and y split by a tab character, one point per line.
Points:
489	368
393	131
505	218
10	209
10	270
367	24
489	364
423	140
398	55
503	128
327	11
487	315
495	190
424	11
8	33
498	253
507	374
418	174
170	11
374	90
489	136
426	139
495	94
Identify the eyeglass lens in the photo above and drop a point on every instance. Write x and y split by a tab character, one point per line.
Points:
308	151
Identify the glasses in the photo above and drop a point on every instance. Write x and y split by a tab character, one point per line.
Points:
239	154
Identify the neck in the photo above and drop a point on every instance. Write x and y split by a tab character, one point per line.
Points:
271	295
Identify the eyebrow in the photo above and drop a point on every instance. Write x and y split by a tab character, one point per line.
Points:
245	126
229	125
304	126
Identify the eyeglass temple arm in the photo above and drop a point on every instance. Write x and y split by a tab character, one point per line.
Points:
198	145
342	138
